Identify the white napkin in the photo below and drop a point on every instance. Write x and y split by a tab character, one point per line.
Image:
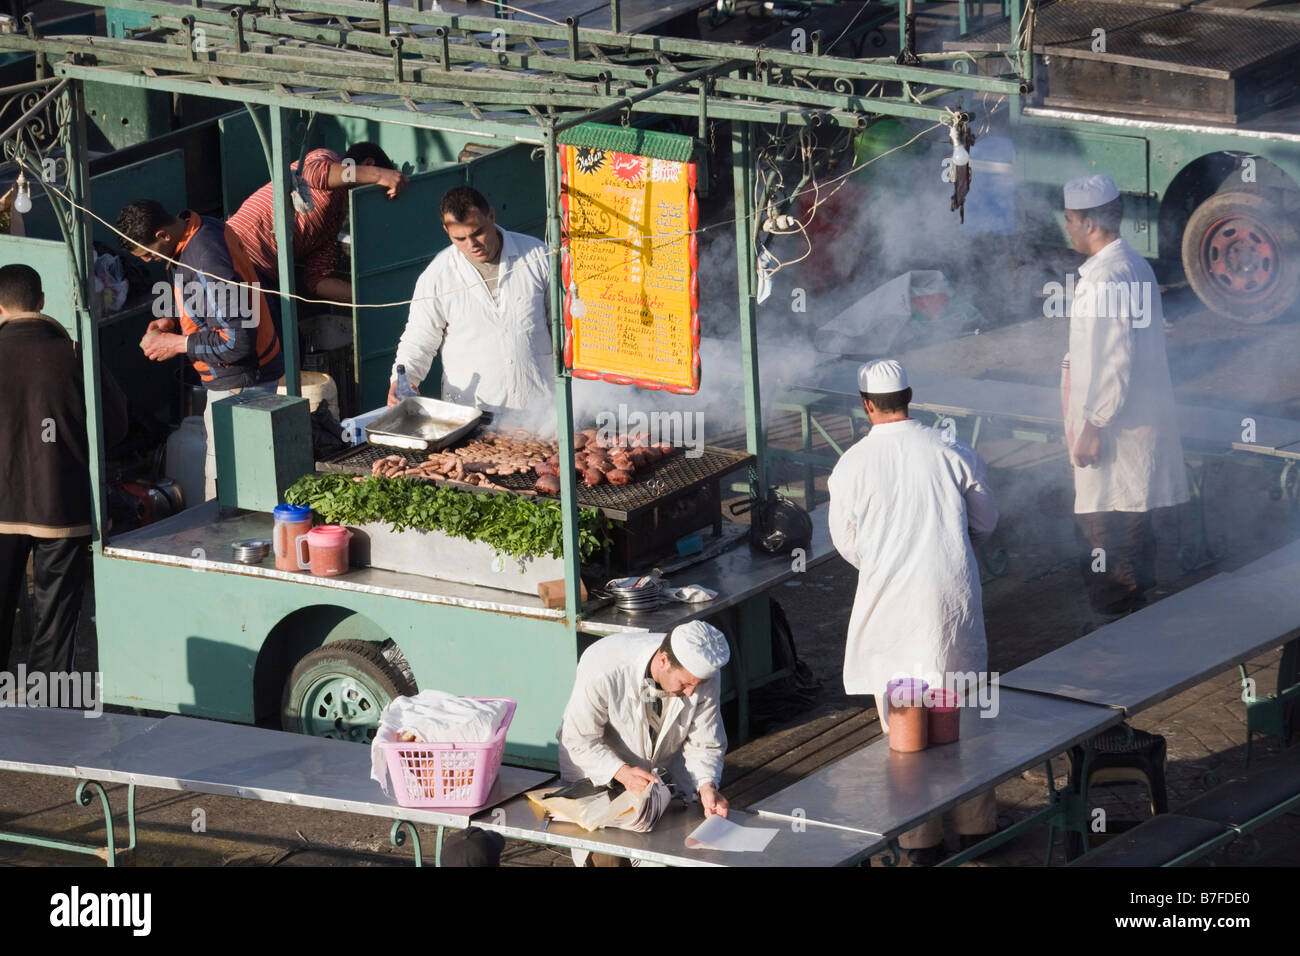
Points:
691	594
719	833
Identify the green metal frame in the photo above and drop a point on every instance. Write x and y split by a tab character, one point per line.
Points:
398	835
109	851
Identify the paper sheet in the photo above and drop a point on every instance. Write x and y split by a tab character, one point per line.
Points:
719	833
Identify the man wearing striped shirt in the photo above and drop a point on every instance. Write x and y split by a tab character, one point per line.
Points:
326	180
215	313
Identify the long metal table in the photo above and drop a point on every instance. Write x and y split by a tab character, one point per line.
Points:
1041	405
794	844
1163	649
1034	411
203	756
881	794
53	742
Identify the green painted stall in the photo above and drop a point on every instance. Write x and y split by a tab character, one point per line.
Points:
218	624
160	177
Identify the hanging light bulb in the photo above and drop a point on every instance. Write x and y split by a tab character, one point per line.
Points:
960	155
577	308
23	201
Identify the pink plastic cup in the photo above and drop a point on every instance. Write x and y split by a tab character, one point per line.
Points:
943	713
908	729
327	545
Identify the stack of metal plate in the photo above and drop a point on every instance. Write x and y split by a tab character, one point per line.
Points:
635	594
251	550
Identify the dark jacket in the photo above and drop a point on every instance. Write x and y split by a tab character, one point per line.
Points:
44	454
233	338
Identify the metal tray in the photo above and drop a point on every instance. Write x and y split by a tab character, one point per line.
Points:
423	424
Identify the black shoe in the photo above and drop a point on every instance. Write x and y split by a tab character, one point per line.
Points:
927	855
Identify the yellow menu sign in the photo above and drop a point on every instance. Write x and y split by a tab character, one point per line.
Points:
631	299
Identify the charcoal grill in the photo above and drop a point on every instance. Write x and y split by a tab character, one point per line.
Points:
666	501
1194	64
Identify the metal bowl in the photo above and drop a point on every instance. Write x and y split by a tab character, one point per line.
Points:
635	594
251	550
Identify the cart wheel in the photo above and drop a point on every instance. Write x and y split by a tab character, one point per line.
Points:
339	690
1241	258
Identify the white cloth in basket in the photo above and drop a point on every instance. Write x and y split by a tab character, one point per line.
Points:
435	716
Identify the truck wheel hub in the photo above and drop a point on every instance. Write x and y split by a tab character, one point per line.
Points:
1241	256
340	708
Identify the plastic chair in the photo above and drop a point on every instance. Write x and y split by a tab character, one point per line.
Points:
1119	755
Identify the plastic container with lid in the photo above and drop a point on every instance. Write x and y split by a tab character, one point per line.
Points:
292	522
943	712
907	714
187	448
328	547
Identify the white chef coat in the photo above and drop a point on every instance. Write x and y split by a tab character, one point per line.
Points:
495	355
905	501
606	725
1119	381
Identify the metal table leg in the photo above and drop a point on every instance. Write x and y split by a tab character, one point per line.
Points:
398	835
1200	554
108	852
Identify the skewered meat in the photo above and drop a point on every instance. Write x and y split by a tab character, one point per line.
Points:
596	458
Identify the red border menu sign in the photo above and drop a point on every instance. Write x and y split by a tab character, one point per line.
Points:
630	258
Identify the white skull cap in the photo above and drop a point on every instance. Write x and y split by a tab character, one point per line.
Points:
1090	192
701	648
880	378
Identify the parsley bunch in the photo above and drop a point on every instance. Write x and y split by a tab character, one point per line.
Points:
512	524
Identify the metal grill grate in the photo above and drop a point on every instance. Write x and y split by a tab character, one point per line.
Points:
664	479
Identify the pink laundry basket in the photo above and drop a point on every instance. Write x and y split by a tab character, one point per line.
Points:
446	775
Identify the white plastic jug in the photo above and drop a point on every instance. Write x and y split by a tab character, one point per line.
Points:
186	448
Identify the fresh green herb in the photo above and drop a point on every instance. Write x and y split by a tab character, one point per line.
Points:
511	524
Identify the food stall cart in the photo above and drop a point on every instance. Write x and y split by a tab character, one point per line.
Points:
184	628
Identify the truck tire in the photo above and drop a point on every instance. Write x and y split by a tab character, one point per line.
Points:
1241	257
339	691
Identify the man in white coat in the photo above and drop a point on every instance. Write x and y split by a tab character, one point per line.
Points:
483	303
1120	421
905	503
645	702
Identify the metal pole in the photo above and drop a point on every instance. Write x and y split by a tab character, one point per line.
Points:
615	16
85	303
563	386
1015	34
282	180
742	167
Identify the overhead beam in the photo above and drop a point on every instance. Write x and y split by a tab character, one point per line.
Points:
364	11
